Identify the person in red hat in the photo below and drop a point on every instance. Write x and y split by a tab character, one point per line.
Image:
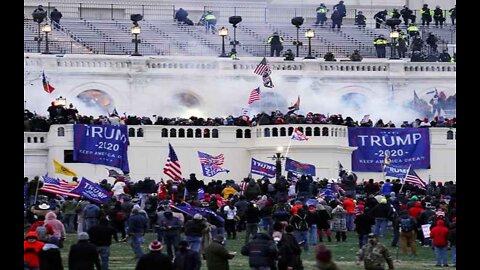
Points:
31	249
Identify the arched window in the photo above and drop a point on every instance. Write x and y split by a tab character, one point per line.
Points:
283	132
61	132
308	131
189	133
29	139
335	132
140	132
198	133
181	133
35	139
214	133
248	133
274	132
325	131
266	132
173	133
300	128
290	131
450	135
316	131
206	133
42	139
164	133
239	133
131	132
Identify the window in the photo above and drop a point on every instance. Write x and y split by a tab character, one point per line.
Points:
68	156
248	133
274	132
131	132
198	133
266	132
140	132
290	131
206	133
189	133
181	133
173	133
325	131
164	133
214	133
316	131
42	139
450	135
283	132
239	133
61	132
308	131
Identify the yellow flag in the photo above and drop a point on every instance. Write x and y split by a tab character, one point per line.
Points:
59	168
387	160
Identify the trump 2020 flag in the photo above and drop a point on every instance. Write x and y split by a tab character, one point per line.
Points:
299	168
91	191
396	171
101	144
211	165
262	168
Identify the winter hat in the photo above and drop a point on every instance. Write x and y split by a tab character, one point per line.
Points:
155	246
197	216
83	236
414	198
289	228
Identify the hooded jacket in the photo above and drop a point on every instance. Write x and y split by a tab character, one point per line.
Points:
50	258
439	235
261	251
415	211
57	225
31	250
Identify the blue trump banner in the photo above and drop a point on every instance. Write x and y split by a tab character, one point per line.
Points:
396	171
262	168
299	168
91	191
105	144
404	146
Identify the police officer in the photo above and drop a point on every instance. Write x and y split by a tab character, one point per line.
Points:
321	14
417	44
360	20
289	55
413	30
356	56
453	14
402	44
380	43
380	18
374	255
432	42
438	16
395	14
210	22
56	15
275	42
444	56
406	14
426	15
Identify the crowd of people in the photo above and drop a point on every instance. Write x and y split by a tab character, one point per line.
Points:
281	219
59	114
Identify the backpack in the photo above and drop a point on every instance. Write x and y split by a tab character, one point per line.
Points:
406	224
42	232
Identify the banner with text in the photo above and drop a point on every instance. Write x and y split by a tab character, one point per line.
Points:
101	144
404	146
396	171
262	168
299	168
91	191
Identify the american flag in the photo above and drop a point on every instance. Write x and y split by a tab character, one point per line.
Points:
254	95
262	68
59	187
295	106
172	167
46	85
413	179
209	160
298	135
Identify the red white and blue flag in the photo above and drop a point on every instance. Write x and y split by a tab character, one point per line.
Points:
46	85
254	95
298	135
58	187
295	106
210	164
172	168
413	179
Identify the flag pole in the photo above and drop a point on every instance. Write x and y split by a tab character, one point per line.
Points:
36	191
400	191
288	147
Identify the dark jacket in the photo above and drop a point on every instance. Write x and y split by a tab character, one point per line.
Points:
381	210
50	258
261	251
187	260
56	15
252	215
364	223
217	257
101	235
153	261
288	252
137	223
194	228
83	256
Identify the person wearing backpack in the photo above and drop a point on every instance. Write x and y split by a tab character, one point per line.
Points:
44	231
407	234
299	223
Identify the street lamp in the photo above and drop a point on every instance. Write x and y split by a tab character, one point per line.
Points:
393	53
223	32
297	21
136	30
46	29
278	162
309	34
234	20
